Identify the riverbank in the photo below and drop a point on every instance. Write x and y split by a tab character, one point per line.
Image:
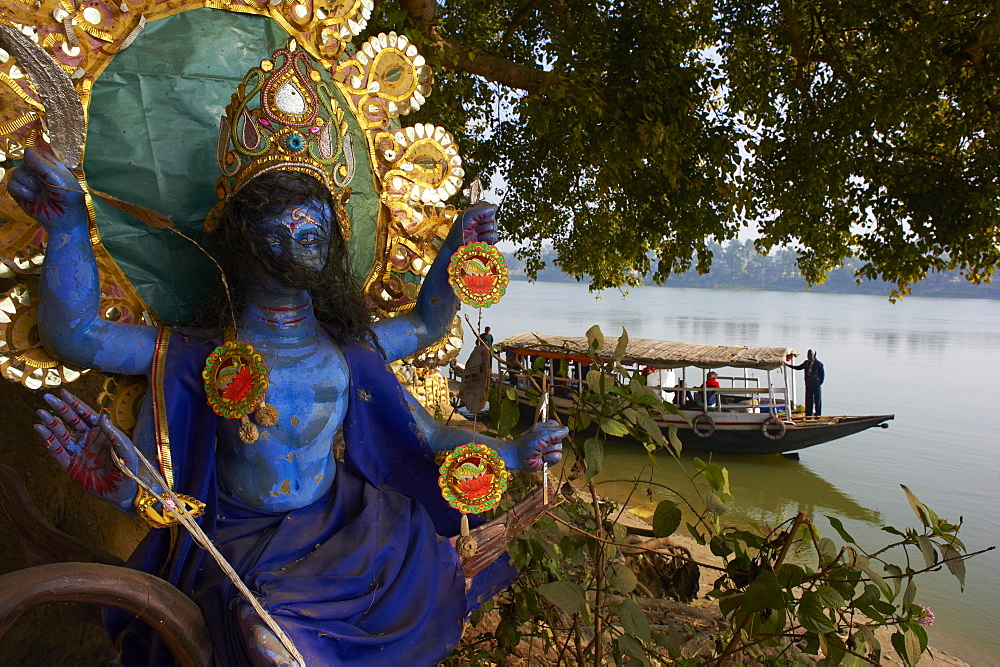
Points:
889	656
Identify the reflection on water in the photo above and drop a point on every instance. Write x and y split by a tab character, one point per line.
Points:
767	490
932	362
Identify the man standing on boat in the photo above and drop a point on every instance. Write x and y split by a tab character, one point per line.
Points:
815	375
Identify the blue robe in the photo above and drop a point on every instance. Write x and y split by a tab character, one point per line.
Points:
360	576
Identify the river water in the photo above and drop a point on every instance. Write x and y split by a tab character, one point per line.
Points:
934	363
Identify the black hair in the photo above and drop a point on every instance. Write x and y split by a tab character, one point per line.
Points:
244	253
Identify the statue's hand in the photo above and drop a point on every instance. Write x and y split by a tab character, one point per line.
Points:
479	223
48	192
542	443
81	442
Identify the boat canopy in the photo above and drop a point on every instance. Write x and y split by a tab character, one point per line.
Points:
651	353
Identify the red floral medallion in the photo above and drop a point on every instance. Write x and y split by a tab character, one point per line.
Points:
473	478
235	379
478	274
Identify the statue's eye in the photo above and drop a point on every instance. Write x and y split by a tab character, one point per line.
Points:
311	240
276	241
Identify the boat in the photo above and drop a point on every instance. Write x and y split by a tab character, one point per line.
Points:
751	412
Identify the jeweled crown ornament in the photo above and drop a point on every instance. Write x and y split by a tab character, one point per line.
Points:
284	116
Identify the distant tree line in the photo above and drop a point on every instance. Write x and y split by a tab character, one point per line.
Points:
738	265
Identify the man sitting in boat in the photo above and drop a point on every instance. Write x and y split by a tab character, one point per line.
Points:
706	399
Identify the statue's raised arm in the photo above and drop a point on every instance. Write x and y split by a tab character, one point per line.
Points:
68	322
430	319
540	445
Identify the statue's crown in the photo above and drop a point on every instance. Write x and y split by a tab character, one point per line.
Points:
284	116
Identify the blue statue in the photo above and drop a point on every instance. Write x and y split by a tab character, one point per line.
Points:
352	559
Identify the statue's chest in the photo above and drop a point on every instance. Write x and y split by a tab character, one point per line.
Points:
308	386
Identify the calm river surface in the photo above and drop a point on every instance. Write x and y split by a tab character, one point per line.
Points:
934	363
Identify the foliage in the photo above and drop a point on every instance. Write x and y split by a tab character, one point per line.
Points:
783	591
865	129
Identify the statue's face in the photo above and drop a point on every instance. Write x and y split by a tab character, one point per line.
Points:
300	234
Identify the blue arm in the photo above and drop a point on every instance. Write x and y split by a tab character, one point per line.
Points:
526	452
68	321
431	318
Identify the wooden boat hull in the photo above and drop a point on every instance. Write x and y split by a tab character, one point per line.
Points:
798	435
742	432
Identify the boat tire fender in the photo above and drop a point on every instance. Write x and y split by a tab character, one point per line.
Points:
703	426
773	428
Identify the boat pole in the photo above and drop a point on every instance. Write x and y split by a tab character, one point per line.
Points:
543	414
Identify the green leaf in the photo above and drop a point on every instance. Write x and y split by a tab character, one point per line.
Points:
828	549
598	382
511	394
623	579
956	567
633	619
675	440
910	593
921	635
720	546
566	595
850	660
649	425
764	592
714	504
613	427
666	518
833	647
907	645
918	507
715	476
621	348
509	416
670	640
631	647
812	615
829	597
873	643
869	596
693	531
593	452
877	580
927	549
730	603
896	573
595	338
839	527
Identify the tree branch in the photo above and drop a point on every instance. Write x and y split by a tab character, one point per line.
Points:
563	11
473	61
798	50
423	13
516	21
461	58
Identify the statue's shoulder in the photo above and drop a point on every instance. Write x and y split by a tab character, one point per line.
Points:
191	346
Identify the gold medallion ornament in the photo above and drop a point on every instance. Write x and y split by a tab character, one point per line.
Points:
478	274
121	398
22	357
235	379
473	478
156	515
